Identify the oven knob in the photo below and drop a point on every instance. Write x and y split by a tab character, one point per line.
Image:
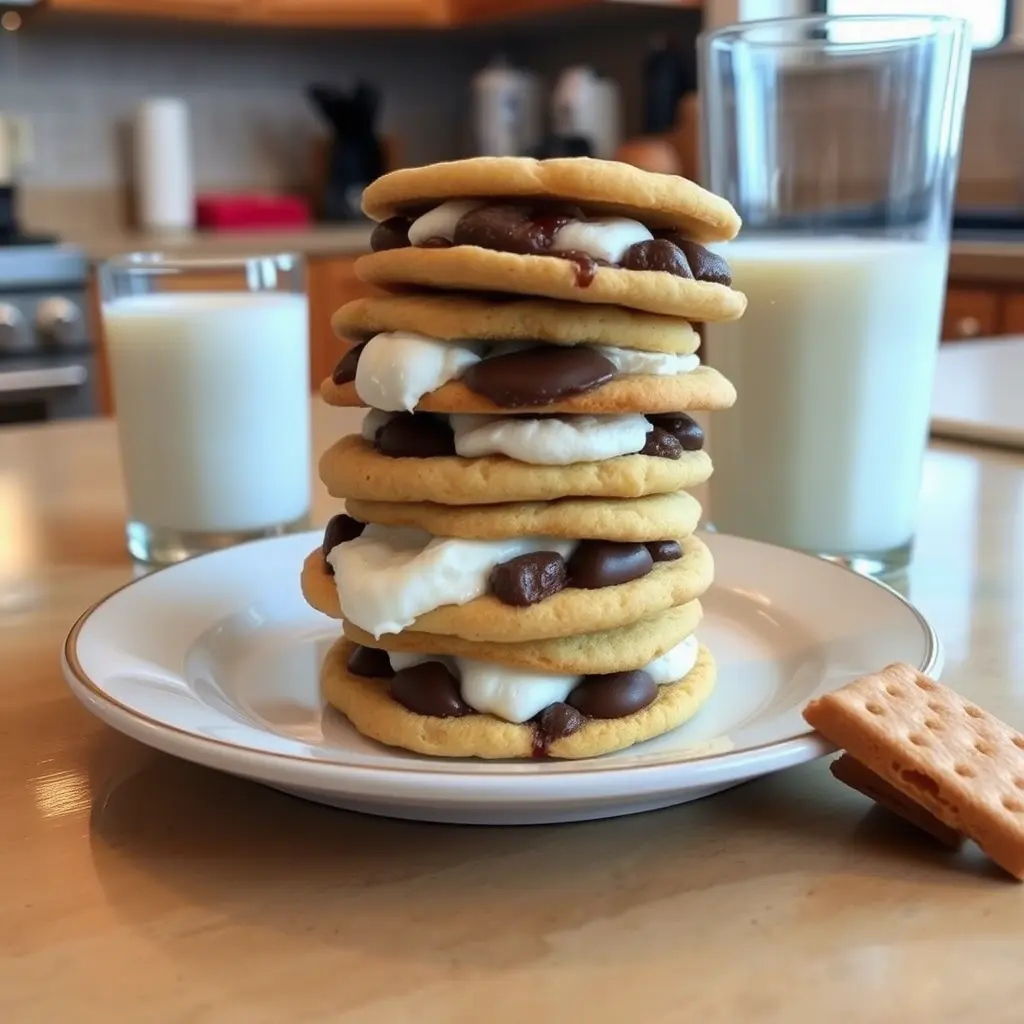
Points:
58	321
12	328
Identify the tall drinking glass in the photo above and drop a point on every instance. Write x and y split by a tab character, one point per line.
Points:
210	367
838	141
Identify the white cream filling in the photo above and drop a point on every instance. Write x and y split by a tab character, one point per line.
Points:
604	238
517	694
441	221
397	369
391	575
556	441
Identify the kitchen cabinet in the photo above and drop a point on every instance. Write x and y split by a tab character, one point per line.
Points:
970	313
1013	319
332	282
353	13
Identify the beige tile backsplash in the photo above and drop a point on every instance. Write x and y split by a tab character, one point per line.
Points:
253	128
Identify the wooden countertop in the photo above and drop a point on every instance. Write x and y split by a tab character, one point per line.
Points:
141	888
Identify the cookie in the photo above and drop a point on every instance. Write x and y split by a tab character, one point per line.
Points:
610	650
371	710
955	760
566	613
654	517
351	468
603	186
469	267
702	389
469	317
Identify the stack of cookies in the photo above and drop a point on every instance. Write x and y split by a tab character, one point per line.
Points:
516	570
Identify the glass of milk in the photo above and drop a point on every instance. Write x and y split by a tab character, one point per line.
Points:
209	360
838	141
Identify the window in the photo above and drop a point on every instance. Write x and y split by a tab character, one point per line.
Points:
989	18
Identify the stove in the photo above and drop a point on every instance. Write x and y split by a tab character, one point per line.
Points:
47	361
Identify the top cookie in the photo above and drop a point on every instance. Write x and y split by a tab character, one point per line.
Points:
605	186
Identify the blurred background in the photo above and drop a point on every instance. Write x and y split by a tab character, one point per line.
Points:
210	126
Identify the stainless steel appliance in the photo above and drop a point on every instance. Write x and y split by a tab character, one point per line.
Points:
46	352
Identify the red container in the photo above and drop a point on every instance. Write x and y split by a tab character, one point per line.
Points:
251	212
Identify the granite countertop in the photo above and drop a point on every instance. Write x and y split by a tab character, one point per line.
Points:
316	240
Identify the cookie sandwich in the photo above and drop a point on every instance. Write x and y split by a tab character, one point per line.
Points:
517	571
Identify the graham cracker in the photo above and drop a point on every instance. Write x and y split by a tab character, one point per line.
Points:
943	752
852	773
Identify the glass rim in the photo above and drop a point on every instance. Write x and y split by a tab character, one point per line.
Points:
747	30
155	261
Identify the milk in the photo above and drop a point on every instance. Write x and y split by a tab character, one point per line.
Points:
833	362
212	399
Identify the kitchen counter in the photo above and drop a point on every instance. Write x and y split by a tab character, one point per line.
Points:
139	887
992	259
317	240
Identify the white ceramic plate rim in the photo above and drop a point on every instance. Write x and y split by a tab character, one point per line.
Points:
398	784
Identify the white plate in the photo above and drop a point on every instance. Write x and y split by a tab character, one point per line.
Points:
215	660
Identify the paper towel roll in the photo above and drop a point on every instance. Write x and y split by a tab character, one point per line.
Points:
165	192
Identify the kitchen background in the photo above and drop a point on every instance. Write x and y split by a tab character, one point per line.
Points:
77	80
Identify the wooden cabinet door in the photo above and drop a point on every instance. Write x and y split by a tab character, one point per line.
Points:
971	313
216	10
332	283
354	13
1013	314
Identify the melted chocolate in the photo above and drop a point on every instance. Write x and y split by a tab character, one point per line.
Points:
435	242
586	265
538	376
408	436
662	445
392	233
340	528
553	723
615	695
665	550
345	371
607	563
685	429
370	663
529	578
429	689
705	264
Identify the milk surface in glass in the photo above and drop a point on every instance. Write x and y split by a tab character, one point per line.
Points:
212	401
833	363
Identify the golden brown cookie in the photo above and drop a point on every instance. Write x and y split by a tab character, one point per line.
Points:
655	517
610	650
371	710
468	267
566	613
456	317
603	186
351	468
701	389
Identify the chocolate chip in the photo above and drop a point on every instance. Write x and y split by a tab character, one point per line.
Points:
556	721
615	695
506	228
685	429
429	689
530	578
658	254
370	662
339	529
607	563
415	436
538	376
662	445
392	233
705	264
345	371
664	550
435	242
